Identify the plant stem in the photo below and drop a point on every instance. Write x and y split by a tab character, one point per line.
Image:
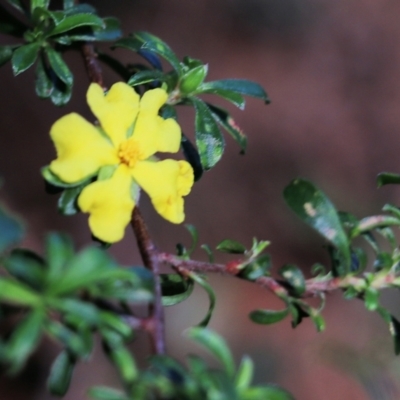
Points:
150	258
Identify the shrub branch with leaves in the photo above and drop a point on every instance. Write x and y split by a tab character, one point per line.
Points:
101	169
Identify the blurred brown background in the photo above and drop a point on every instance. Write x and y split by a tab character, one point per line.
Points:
332	71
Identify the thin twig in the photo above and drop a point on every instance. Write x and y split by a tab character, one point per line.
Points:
150	258
92	65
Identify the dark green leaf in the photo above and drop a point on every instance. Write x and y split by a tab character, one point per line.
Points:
43	83
59	251
156	45
209	140
61	94
175	288
216	345
315	208
11	230
383	261
267	317
146	76
191	79
27	267
61	374
294	277
67	203
39	4
371	299
72	8
111	30
244	374
24	57
387	178
234	97
257	268
266	393
192	157
55	181
87	312
24	339
76	21
5	54
59	66
229	124
376	221
231	246
297	314
241	86
105	393
211	296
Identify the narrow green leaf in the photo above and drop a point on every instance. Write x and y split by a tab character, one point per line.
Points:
244	374
59	66
55	181
211	297
39	4
61	374
229	124
241	86
76	21
371	299
267	317
231	246
233	97
111	30
209	139
389	235
105	393
266	393
294	277
24	57
16	293
216	345
5	54
11	230
59	251
123	360
24	339
87	312
209	252
318	321
43	83
387	178
175	289
315	209
192	156
195	236
146	76
156	45
115	322
376	221
394	327
67	203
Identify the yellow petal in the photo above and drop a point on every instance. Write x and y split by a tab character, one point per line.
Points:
81	149
153	132
165	182
116	111
109	204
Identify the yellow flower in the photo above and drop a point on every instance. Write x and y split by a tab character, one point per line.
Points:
120	152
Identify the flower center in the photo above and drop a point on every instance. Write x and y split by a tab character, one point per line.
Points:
129	152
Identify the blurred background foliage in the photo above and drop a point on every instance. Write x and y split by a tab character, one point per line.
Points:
332	71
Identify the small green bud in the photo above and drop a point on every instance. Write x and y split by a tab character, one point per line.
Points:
192	79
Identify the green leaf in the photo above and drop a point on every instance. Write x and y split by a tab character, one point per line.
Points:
371	298
244	375
61	374
318	321
156	45
209	252
16	293
235	98
61	94
266	393
209	139
387	178
123	360
192	156
369	223
43	83
195	237
59	251
231	246
146	76
5	54
110	31
26	267
216	345
55	181
24	57
175	288
394	327
11	230
191	79
76	21
294	277
59	66
228	123
24	339
211	297
257	268
105	393
67	203
267	317
241	86
87	312
39	4
68	4
315	209
115	322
